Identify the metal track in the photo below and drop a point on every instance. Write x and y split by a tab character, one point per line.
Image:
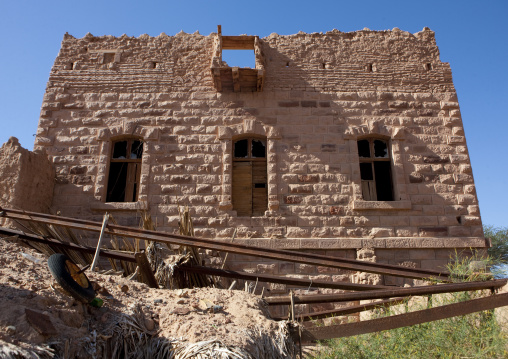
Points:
405	320
276	254
277	279
108	253
345	311
197	269
380	294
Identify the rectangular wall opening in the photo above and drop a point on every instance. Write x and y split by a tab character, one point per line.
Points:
239	58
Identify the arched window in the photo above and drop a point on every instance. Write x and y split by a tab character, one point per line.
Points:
375	169
124	170
250	190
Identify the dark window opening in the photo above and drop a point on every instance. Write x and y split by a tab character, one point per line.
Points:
366	171
249	181
428	66
258	149
287	64
369	67
71	66
241	148
375	170
323	65
124	171
120	150
364	148
380	149
383	176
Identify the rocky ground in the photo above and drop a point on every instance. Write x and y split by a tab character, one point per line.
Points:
37	315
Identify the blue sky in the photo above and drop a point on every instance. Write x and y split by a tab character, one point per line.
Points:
471	36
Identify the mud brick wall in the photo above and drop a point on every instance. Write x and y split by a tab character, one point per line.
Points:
322	93
26	178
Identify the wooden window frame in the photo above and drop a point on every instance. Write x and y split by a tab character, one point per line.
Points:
133	172
369	187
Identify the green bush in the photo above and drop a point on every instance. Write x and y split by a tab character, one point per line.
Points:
499	238
477	335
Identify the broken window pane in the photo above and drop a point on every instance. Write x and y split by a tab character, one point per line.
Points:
137	149
124	171
380	149
241	148
120	149
258	149
117	182
375	170
363	148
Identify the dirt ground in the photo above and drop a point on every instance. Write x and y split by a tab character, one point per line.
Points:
37	315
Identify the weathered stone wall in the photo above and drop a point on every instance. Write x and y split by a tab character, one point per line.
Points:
322	92
26	178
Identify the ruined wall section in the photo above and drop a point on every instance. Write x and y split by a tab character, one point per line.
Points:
160	89
390	61
26	178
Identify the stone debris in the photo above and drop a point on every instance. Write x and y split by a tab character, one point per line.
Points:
39	315
40	322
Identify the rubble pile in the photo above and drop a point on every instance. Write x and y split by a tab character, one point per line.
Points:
39	318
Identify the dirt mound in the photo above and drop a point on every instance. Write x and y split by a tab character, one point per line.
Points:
135	320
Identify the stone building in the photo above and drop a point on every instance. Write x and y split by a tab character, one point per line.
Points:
334	142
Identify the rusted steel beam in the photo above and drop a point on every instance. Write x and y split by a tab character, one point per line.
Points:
347	310
271	253
277	279
405	320
108	253
380	294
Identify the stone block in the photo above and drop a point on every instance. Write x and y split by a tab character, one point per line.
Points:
419	254
433	231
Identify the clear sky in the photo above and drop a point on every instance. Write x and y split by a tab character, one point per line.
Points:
471	36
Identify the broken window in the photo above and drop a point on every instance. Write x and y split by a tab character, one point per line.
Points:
375	170
124	171
237	63
250	189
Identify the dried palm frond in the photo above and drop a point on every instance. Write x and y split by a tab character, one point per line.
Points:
165	266
131	339
65	235
23	350
187	229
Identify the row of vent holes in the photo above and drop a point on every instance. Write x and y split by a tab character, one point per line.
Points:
369	68
153	65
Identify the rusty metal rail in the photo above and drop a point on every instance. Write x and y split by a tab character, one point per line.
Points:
347	310
383	294
26	237
196	269
405	320
282	280
275	254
